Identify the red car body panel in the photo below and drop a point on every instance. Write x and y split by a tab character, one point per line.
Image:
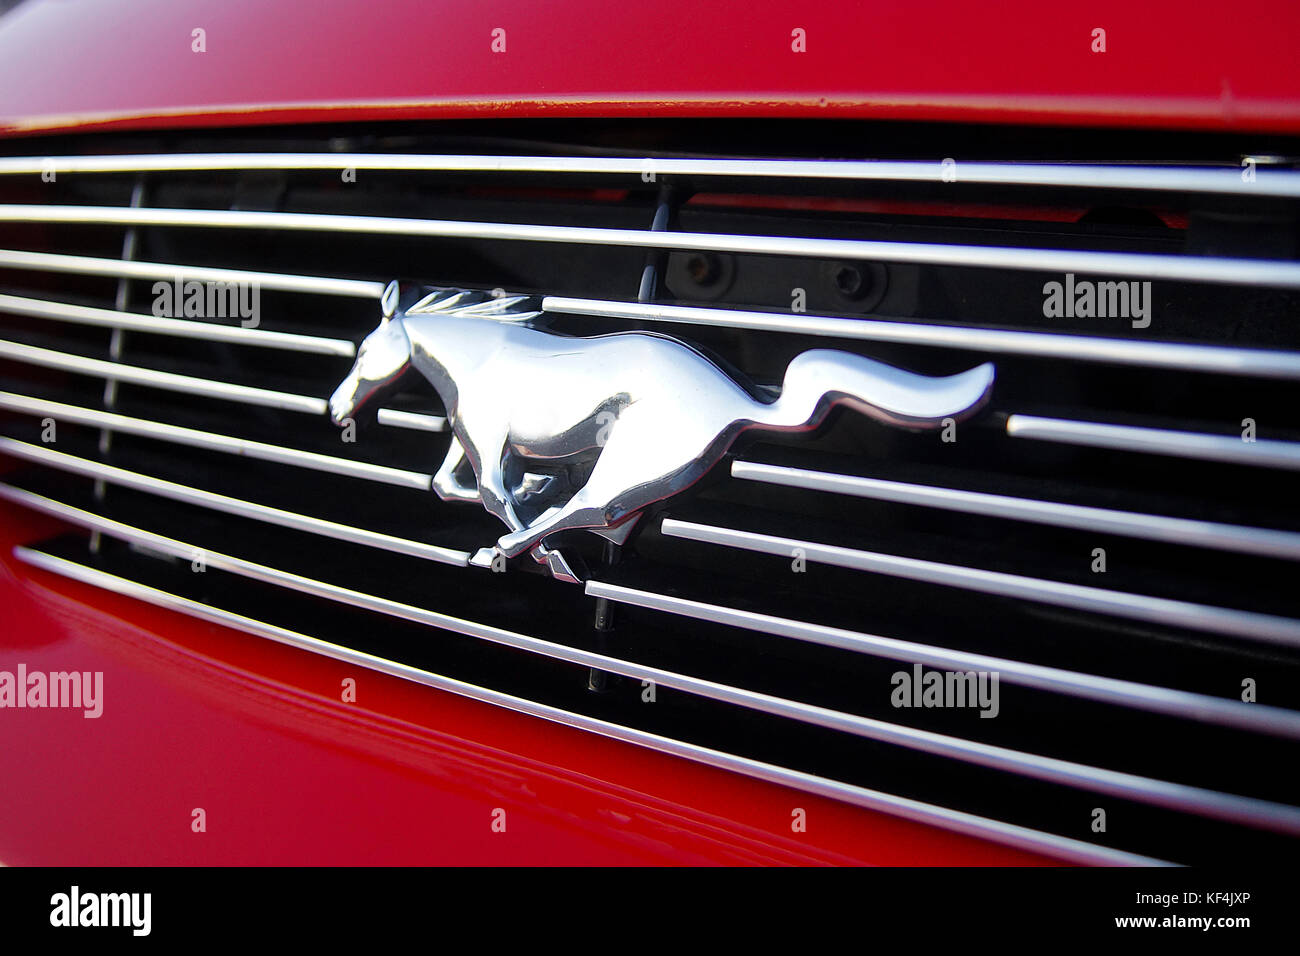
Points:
83	64
254	733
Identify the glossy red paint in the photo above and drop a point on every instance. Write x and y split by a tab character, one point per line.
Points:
255	734
81	64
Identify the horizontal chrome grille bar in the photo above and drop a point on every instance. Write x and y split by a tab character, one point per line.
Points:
181	328
169	381
1157	441
1184	531
1181	797
413	420
1183	704
235	506
212	441
134	269
956	820
1264	363
1204	179
1197	617
1180	268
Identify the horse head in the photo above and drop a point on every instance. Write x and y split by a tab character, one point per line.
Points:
383	357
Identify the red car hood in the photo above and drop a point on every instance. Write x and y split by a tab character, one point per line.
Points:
1167	64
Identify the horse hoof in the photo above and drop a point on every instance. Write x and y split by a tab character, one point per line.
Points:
560	569
514	544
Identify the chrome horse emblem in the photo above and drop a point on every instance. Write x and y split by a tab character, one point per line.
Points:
565	433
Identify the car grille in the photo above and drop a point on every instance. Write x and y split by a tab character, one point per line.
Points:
1103	536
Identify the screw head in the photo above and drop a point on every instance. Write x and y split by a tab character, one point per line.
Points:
850	281
703	268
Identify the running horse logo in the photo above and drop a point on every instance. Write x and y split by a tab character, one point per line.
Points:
565	433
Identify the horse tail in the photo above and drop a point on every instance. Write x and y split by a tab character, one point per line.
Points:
819	379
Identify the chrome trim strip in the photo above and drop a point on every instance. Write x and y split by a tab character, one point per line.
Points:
1181	268
168	381
1246	810
1187	705
1265	363
134	269
955	820
1197	617
213	441
1268	182
413	420
228	505
181	328
1157	441
1185	531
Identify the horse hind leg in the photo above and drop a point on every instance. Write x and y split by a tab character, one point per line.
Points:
579	512
555	562
559	567
610	481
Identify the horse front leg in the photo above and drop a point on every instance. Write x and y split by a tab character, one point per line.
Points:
447	485
490	455
493	494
